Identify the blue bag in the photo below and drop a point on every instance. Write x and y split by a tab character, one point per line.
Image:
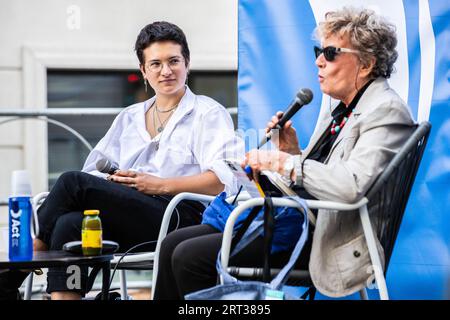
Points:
288	222
233	289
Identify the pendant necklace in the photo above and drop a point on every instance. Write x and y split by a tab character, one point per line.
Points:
161	123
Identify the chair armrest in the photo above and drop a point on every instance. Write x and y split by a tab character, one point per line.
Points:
277	202
138	257
37	199
165	225
243	196
36	202
333	205
171	208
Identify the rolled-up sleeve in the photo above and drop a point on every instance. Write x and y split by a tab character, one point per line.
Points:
108	147
215	140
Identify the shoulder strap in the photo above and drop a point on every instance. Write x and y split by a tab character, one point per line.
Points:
245	224
280	279
278	282
268	236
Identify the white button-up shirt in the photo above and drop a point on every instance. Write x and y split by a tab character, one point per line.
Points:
197	138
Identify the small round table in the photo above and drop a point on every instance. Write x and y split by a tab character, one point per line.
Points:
46	259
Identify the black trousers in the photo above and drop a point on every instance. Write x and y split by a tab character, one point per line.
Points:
128	217
187	260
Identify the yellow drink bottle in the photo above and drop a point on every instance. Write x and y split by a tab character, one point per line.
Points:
91	233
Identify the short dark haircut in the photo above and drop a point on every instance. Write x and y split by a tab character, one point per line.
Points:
161	31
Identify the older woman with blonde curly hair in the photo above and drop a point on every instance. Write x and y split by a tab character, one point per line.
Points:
353	142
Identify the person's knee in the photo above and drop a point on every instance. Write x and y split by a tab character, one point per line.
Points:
67	228
182	259
168	246
166	249
71	177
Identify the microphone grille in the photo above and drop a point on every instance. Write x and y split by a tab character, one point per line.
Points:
305	95
103	165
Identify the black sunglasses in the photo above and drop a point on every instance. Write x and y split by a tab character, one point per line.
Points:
331	52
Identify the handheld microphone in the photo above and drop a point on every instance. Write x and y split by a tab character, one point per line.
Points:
106	166
303	97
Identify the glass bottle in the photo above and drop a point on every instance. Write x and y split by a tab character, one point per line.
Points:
91	233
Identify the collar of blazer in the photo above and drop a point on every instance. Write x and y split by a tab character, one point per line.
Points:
363	104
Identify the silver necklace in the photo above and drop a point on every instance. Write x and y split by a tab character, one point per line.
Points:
161	123
165	111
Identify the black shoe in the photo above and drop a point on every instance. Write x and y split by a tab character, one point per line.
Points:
112	296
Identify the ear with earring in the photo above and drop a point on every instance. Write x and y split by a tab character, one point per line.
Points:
143	76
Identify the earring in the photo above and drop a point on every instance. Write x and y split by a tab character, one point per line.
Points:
145	84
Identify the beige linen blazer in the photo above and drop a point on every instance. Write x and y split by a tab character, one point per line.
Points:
379	125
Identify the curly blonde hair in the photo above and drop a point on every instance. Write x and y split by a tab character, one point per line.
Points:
368	33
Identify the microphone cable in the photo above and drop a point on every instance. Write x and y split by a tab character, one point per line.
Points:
137	246
123	256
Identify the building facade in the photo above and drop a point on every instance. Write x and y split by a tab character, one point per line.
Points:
41	37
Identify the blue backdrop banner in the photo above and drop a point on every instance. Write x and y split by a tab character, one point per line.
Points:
276	59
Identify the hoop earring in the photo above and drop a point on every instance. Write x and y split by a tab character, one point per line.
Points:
145	84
